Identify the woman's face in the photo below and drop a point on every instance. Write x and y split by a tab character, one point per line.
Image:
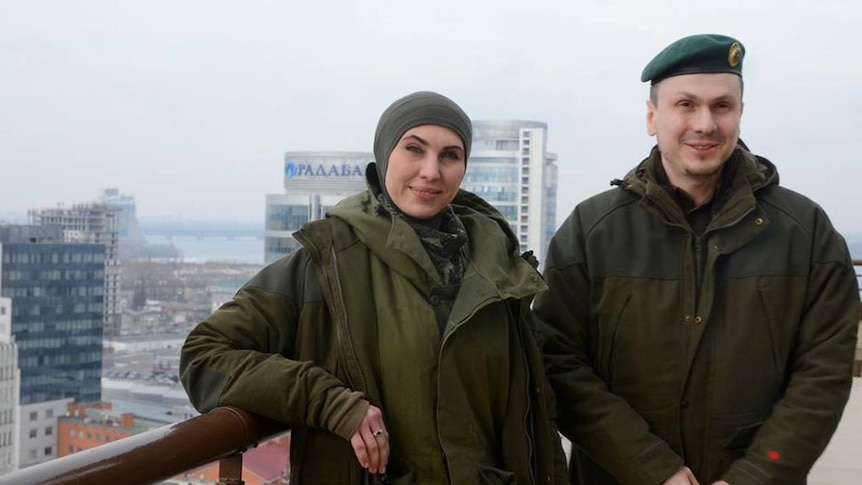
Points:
425	170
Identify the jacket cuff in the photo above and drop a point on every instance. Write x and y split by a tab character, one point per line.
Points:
344	411
658	463
744	472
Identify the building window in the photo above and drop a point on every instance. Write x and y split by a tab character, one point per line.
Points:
34	416
71	449
49	431
49	450
33	433
31	454
49	413
72	433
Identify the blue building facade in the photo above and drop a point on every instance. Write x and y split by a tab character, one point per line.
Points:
57	292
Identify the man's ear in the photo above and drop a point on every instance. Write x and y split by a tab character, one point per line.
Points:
650	115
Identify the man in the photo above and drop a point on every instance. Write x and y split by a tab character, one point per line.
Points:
701	320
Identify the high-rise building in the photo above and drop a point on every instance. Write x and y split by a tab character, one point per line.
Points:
9	383
511	168
128	227
57	292
93	223
313	183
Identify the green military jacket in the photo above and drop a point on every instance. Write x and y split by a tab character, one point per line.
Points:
729	352
349	319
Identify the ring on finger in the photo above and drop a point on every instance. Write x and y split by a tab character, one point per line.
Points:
377	434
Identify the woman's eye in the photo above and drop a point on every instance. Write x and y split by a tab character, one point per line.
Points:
413	148
451	155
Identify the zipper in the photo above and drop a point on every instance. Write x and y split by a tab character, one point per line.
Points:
335	291
699	263
341	330
529	431
443	341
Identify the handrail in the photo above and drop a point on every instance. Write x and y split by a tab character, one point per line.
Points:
155	455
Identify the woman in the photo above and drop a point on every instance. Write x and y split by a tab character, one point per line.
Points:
396	342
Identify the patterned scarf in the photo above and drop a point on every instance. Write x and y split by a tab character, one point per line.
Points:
443	237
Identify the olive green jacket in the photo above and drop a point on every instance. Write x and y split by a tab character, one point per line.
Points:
300	343
730	353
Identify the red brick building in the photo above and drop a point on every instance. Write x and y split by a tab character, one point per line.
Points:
90	425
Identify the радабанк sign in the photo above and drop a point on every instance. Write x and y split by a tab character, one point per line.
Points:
301	170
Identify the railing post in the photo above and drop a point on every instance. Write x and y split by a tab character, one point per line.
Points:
230	470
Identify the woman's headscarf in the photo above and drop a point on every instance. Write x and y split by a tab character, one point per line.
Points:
416	109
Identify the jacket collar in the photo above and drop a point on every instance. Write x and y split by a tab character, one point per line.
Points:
752	174
494	250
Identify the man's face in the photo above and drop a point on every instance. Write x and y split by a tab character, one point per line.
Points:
695	119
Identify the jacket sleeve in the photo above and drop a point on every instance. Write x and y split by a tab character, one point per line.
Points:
601	424
820	371
242	355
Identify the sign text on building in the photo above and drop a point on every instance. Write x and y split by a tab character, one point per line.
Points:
293	169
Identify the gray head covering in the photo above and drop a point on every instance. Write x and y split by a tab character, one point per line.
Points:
416	109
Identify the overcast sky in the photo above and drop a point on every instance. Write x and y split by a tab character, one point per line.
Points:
189	105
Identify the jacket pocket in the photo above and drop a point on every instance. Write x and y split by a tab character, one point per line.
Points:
776	339
608	341
489	475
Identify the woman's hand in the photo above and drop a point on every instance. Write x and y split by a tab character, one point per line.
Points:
682	477
371	442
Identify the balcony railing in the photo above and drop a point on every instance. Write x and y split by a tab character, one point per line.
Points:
160	454
223	434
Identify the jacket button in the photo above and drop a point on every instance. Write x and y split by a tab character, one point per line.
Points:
698	320
758	221
435	300
687	318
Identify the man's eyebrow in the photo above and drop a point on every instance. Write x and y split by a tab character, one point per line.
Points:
686	94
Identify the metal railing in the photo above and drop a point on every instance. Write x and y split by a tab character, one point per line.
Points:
160	454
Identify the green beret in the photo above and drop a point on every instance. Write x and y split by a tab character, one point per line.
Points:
696	54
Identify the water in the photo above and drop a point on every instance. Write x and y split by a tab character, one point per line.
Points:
249	250
245	250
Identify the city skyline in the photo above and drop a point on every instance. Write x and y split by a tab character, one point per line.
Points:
189	107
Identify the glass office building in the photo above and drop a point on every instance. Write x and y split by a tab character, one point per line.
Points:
93	223
511	168
313	183
57	293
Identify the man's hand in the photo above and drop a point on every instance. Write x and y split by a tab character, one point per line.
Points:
720	482
371	442
683	477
